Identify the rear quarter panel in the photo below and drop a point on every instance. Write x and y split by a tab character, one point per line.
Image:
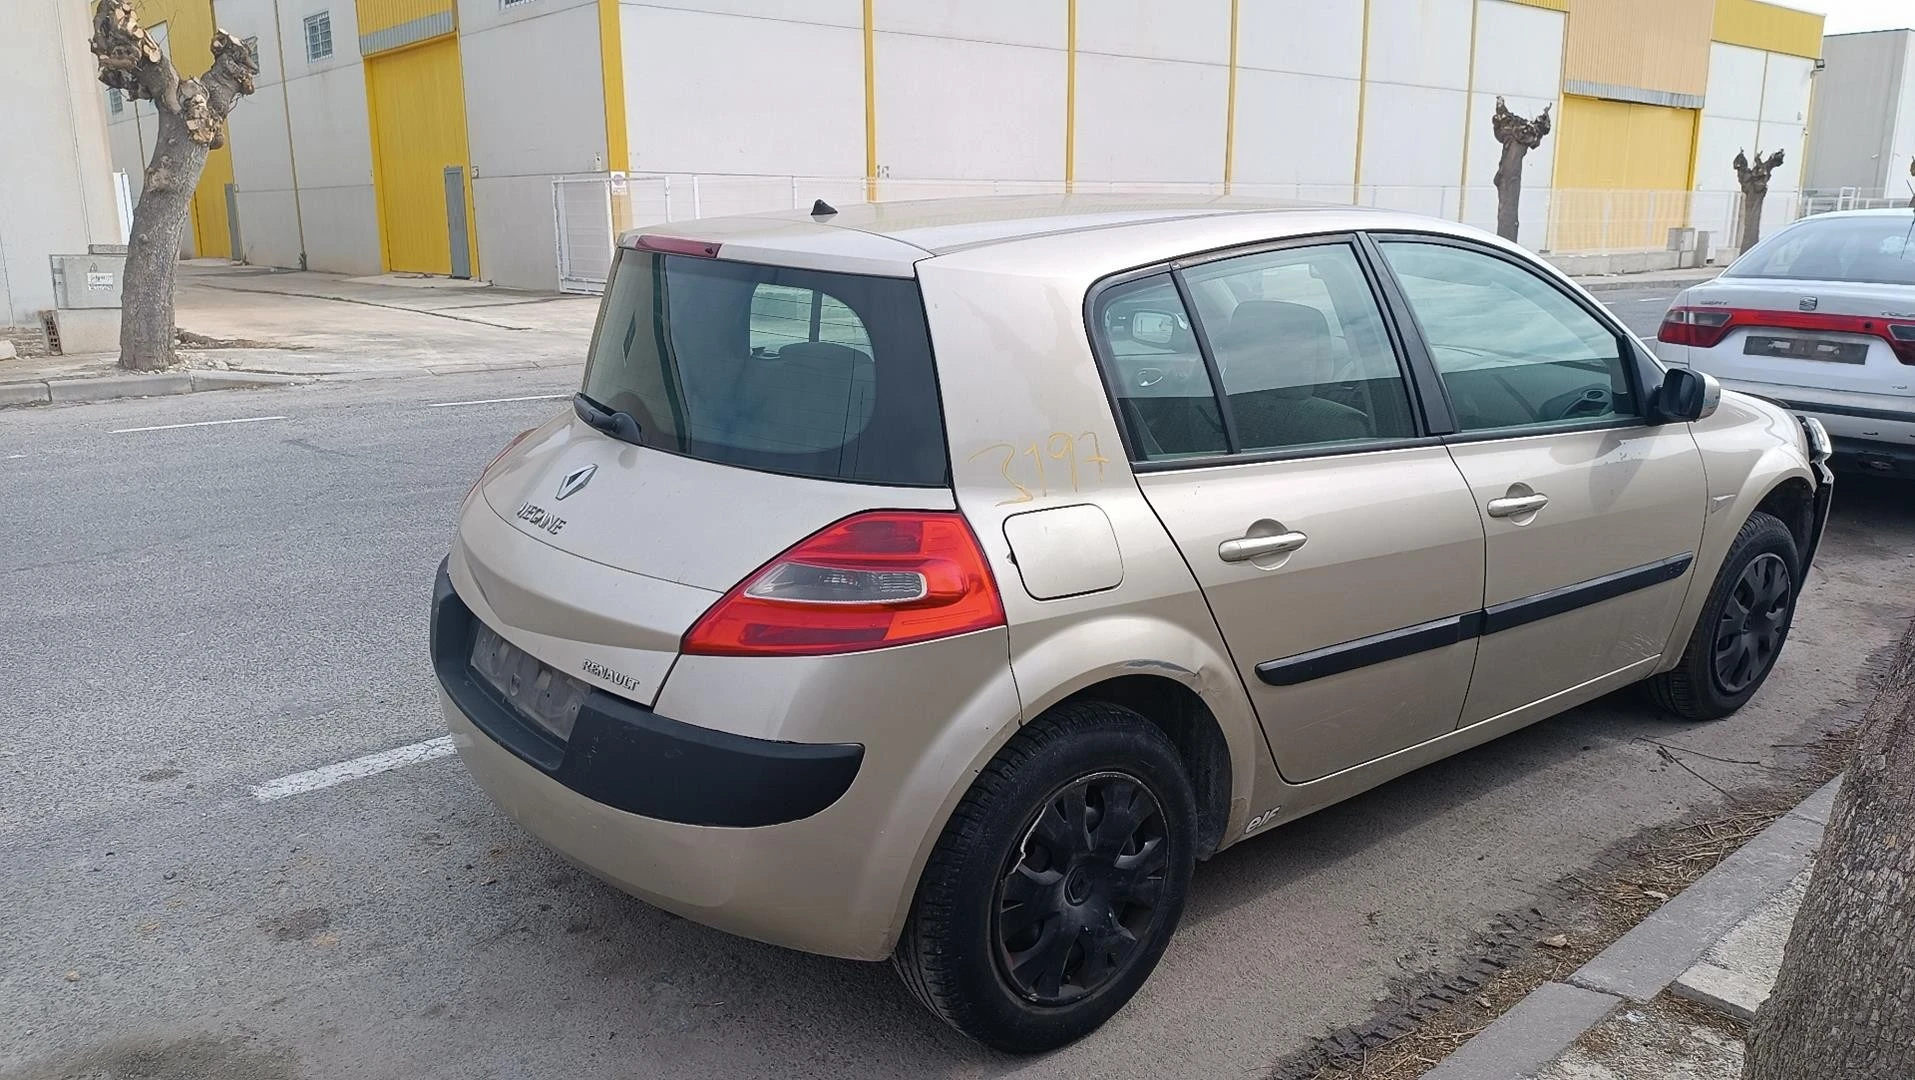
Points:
1031	429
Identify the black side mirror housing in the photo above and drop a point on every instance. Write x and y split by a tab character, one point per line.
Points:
1686	394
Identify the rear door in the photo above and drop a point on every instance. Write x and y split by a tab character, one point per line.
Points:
1273	431
1592	514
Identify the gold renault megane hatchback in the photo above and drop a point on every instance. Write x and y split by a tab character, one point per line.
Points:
939	581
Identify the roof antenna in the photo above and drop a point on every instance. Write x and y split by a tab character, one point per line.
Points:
821	208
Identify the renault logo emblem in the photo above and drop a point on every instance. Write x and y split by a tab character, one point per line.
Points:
575	480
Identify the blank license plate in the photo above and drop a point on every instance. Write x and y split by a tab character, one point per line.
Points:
544	696
1802	348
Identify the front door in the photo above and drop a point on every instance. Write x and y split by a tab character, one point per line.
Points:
1592	515
1341	553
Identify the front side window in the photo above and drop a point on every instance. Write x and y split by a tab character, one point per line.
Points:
1300	348
801	372
1513	350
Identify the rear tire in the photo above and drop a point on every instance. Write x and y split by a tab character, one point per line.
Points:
1742	627
1057	882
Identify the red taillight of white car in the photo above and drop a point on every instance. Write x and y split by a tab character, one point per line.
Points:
868	582
1705	327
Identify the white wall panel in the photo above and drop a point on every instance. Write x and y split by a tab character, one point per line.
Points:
1735	82
1785	93
331	138
342	228
950	108
827	12
517	238
1149	119
1518	51
478	16
1718	140
1295	129
128	151
268	229
1306	37
1193	30
721	93
1038	23
1420	42
258	138
560	127
1412	135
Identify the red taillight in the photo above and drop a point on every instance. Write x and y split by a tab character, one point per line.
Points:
496	458
1701	327
870	581
1706	327
677	245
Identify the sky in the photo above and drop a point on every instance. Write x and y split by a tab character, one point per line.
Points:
1848	16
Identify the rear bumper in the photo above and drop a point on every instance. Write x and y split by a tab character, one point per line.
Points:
809	832
1872	433
630	758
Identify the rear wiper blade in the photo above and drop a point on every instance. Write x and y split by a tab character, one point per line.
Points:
619	425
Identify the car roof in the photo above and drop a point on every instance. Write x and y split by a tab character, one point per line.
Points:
892	237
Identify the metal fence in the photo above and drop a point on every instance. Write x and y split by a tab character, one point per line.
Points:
590	211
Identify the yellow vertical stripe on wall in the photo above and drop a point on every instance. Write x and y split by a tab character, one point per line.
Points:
1770	27
376	15
1070	92
1362	101
416	100
870	108
1230	108
1623	173
1469	112
1649	44
618	138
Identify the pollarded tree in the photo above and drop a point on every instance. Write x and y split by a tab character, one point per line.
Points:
192	122
1519	137
1844	1002
1755	188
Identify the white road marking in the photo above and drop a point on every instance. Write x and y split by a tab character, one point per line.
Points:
11	457
196	423
357	769
496	400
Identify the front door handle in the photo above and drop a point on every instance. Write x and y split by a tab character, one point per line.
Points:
1517	505
1245	548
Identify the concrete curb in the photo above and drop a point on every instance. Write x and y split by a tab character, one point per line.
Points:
1644	961
137	384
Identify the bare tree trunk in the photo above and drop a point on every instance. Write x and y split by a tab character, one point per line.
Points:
1751	219
1844	1003
192	122
1755	188
153	247
1518	137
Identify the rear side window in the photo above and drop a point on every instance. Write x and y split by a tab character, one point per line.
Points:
772	368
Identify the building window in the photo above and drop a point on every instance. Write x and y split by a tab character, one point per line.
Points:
319	36
252	49
115	102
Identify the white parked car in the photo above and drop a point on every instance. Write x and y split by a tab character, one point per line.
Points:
1819	318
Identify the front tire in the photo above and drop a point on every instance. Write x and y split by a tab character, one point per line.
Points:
1057	882
1742	627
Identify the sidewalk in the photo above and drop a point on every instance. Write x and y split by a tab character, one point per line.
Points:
1672	997
249	326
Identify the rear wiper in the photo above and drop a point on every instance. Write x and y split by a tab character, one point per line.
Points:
619	425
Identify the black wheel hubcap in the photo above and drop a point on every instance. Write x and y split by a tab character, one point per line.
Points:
1081	895
1753	622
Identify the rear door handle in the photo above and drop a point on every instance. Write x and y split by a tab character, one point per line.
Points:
1517	505
1245	548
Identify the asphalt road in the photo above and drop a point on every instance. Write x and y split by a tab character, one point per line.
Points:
194	611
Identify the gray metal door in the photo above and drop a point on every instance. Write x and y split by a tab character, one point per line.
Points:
232	223
455	222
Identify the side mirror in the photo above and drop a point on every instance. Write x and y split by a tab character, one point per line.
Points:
1687	394
1153	327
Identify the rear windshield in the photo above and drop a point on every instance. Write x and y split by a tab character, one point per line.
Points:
771	368
1876	249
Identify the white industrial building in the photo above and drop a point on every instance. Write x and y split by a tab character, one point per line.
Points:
1865	116
427	135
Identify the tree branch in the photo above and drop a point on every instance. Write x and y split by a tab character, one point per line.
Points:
130	60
